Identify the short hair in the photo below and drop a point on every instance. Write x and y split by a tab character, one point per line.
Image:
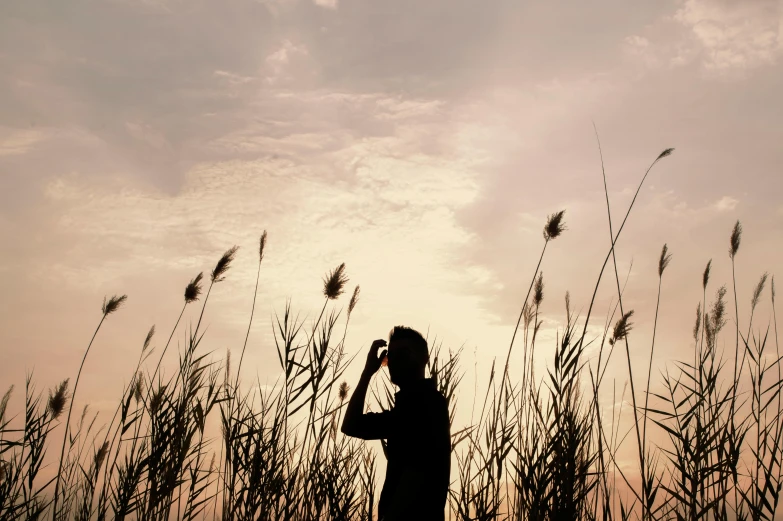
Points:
414	340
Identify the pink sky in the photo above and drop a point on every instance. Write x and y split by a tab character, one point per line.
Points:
421	143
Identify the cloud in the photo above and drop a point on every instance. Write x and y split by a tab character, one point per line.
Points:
328	4
147	134
19	142
287	63
393	222
726	204
723	37
734	34
664	51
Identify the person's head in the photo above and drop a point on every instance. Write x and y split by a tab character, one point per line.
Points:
407	355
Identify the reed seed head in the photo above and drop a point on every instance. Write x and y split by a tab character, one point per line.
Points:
554	225
218	274
758	291
772	289
705	278
4	402
715	319
354	300
665	153
734	241
100	455
138	387
538	290
113	304
193	289
148	338
663	262
58	399
228	367
157	399
527	315
719	309
261	246
343	392
622	327
697	326
709	331
335	282
224	432
568	303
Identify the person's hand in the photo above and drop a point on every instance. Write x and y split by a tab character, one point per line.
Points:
373	360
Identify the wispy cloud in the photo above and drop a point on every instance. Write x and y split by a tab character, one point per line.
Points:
726	204
329	4
741	35
18	142
723	37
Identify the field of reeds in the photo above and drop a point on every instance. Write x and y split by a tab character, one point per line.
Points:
540	446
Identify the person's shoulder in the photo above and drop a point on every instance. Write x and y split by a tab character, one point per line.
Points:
438	407
437	398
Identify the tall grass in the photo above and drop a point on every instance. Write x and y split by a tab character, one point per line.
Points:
203	444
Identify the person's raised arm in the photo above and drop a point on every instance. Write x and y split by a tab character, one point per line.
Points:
352	422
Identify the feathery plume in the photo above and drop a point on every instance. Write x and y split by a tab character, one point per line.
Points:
568	304
58	399
709	331
343	393
224	432
4	403
218	274
772	288
228	367
663	262
734	241
706	277
665	153
719	310
715	320
622	327
697	326
138	387
100	456
261	246
354	300
157	399
554	225
527	315
334	282
113	304
193	289
538	290
148	338
758	290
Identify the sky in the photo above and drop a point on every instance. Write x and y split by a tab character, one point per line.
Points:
421	143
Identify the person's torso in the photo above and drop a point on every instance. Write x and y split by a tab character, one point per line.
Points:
420	444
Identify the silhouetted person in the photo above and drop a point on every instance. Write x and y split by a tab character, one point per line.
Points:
418	449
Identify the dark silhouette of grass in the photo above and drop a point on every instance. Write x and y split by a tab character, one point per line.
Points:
542	448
